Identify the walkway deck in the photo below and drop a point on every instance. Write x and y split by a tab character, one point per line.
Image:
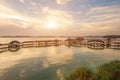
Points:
92	44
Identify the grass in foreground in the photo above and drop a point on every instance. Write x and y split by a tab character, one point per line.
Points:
107	71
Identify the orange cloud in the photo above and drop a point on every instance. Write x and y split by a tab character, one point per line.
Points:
62	1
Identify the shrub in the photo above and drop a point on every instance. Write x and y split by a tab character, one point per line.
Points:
108	71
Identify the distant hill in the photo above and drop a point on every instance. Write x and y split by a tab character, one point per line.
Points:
111	36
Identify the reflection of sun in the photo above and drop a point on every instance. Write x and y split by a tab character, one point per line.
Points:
51	24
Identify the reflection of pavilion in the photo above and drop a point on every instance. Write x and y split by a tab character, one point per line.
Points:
96	44
115	44
14	46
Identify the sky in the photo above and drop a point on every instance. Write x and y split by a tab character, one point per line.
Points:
59	17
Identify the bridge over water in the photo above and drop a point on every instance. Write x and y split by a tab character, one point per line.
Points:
91	43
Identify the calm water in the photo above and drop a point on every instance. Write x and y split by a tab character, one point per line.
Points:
49	63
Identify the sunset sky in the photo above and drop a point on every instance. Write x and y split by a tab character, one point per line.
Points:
59	17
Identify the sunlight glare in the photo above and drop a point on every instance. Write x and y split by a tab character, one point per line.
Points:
52	24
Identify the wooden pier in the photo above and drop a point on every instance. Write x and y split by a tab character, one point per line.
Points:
3	48
46	43
78	42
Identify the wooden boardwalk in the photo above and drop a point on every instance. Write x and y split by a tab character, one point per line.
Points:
92	44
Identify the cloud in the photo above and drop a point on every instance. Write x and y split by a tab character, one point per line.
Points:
44	15
62	17
10	16
33	3
80	22
22	1
62	1
104	14
98	21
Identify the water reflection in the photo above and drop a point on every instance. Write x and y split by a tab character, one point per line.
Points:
57	56
50	61
40	59
60	74
15	45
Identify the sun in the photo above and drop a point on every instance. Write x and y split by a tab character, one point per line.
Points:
52	24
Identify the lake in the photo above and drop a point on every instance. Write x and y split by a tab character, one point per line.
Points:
50	63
